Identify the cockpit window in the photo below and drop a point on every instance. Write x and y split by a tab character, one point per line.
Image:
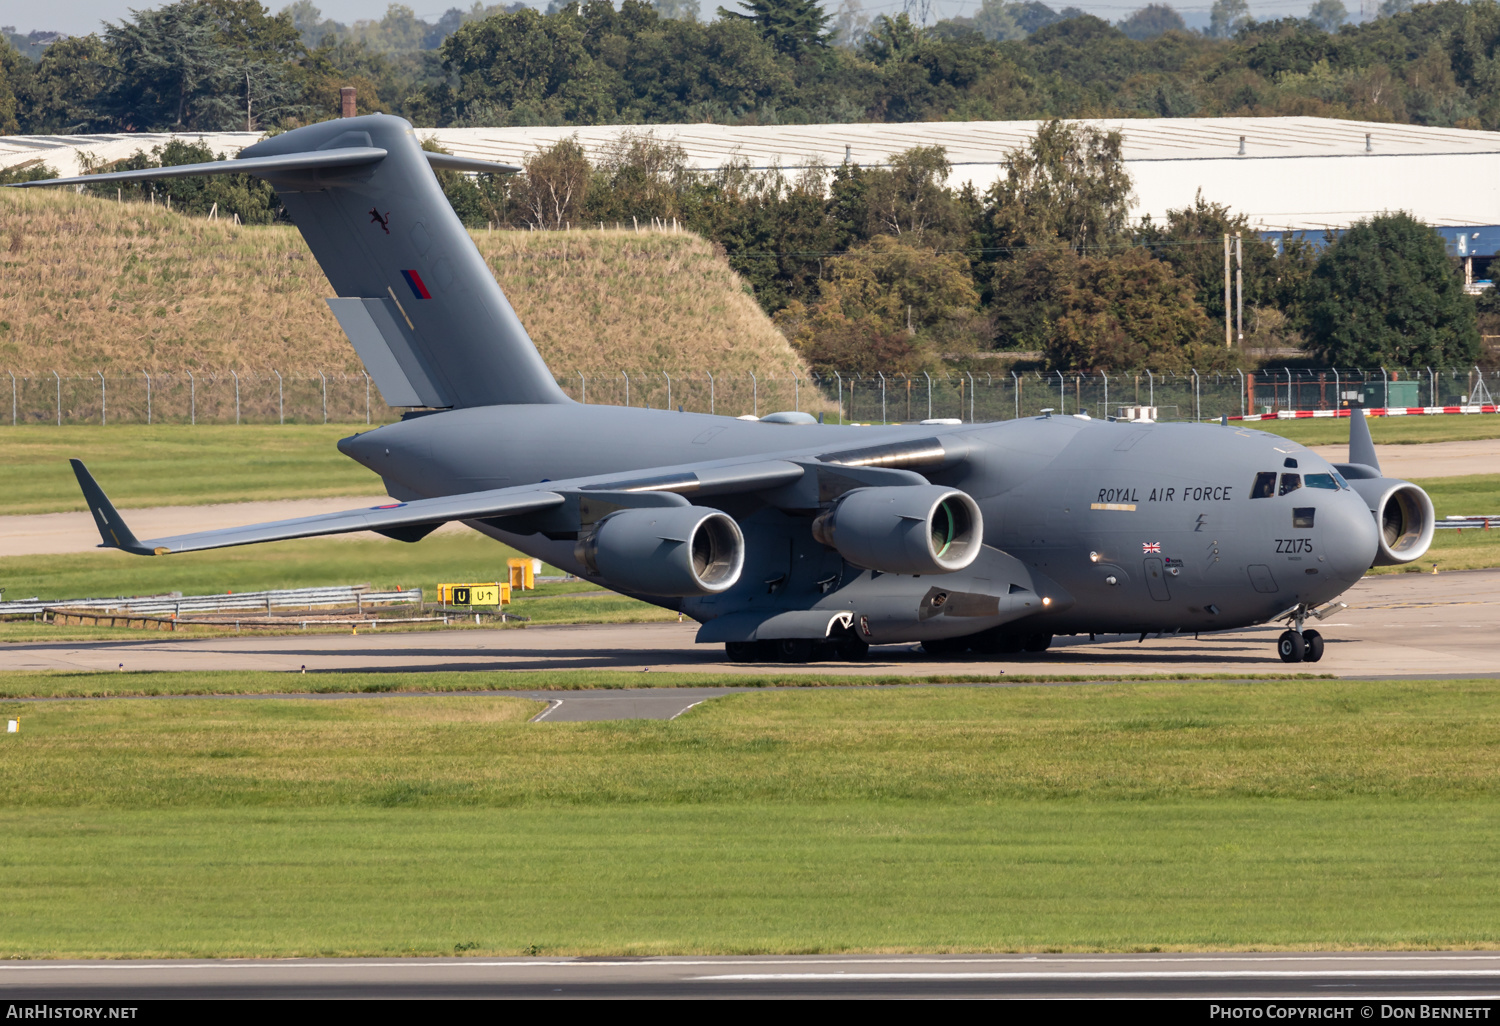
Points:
1264	487
1324	481
1290	483
1340	479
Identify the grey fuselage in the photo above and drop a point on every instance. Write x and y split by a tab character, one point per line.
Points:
1090	526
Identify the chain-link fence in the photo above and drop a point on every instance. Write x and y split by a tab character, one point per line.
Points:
201	397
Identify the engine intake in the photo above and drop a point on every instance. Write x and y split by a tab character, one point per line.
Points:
904	530
1404	516
672	551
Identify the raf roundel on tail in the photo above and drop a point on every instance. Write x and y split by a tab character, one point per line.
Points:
786	539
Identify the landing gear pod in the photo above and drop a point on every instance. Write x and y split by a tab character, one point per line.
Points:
904	530
675	551
1404	516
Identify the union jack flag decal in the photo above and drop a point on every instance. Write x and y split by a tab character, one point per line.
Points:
1150	546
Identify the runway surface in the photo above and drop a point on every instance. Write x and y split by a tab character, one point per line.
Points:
1404	625
1428	459
1320	977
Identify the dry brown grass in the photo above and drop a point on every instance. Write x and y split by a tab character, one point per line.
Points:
90	284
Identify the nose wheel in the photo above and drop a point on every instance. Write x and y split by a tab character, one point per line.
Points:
1300	646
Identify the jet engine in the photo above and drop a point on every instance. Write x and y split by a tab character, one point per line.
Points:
1404	515
670	551
921	529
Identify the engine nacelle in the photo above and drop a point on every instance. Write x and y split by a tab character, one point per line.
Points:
1403	515
666	551
922	529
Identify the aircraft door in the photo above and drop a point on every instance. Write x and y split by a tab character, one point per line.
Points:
1156	580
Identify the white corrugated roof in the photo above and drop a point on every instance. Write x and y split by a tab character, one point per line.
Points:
1296	172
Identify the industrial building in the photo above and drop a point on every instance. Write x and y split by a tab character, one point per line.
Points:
1289	174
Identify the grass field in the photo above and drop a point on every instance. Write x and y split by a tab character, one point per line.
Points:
173	465
1386	430
60	684
1297	814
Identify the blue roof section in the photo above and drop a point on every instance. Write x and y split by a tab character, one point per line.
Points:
1473	240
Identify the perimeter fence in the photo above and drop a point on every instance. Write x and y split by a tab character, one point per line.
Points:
303	397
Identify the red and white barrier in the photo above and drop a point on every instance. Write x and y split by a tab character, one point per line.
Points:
1394	411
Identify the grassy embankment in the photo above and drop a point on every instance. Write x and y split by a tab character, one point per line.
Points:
89	284
1307	814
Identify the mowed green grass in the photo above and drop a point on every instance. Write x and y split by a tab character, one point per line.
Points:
448	557
177	465
1386	430
1292	814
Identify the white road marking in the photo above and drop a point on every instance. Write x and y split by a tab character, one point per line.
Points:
553	703
679	712
1220	974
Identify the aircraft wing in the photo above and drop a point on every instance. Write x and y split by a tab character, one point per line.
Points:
666	485
471	505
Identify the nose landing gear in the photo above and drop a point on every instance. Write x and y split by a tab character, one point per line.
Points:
1300	646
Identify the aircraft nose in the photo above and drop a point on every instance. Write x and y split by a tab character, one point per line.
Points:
1350	538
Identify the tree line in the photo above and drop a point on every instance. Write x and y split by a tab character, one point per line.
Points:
887	268
203	65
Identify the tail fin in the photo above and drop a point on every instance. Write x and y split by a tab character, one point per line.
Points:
415	297
1361	445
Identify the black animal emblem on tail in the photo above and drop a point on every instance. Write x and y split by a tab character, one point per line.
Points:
384	222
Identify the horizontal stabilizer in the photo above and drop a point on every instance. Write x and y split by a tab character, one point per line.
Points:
265	167
448	162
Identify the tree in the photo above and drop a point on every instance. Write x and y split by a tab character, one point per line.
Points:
881	305
1391	8
910	198
552	192
204	65
65	89
1227	17
1154	20
1128	311
639	175
792	27
1068	187
1328	15
1192	241
1386	293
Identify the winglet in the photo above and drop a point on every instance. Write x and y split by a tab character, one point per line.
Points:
113	534
1361	447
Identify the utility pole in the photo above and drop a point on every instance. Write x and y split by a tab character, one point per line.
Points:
1228	338
1239	289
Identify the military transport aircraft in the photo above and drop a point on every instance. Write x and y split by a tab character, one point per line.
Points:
786	539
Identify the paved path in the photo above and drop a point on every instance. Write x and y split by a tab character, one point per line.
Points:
1353	979
1415	625
1429	459
54	533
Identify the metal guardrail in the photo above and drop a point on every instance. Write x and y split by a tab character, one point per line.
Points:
345	595
1482	523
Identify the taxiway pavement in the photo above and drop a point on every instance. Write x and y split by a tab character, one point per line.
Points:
1328	978
1397	625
